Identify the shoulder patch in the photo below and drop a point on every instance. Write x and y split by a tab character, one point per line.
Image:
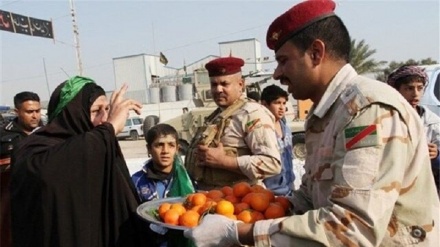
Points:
348	94
361	136
251	106
252	124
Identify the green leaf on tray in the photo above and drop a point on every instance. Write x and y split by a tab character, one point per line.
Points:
154	212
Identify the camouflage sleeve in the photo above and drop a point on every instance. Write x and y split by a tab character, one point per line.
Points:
259	136
368	177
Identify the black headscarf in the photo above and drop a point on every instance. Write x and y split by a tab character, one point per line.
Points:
75	117
70	184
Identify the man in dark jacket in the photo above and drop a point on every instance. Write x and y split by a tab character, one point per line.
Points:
28	110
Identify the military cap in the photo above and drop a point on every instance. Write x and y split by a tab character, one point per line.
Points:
224	66
296	19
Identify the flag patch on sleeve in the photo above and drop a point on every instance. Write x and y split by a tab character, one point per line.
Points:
252	124
361	136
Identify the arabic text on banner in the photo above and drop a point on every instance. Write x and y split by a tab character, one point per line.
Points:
16	23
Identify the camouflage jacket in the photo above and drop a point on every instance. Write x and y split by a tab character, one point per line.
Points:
368	180
247	133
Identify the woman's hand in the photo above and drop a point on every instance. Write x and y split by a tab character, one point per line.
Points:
120	107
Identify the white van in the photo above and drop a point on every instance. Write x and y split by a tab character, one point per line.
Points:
431	98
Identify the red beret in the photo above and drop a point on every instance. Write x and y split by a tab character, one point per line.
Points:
296	19
224	66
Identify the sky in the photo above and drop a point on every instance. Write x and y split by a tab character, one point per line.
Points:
186	31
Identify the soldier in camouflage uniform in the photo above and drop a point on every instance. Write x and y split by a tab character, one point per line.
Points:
238	141
368	180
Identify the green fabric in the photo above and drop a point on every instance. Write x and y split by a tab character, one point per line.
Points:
68	92
176	239
182	184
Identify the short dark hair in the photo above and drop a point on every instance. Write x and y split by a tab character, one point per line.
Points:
332	32
158	131
272	93
25	96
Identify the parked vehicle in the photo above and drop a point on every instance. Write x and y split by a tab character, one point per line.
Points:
133	129
431	97
5	118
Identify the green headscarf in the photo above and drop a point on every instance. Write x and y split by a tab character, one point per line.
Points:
68	92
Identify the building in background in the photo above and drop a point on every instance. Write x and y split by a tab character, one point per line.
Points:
247	49
165	90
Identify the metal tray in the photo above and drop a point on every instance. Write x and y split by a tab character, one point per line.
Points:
146	209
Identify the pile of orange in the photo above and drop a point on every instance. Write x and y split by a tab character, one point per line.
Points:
239	202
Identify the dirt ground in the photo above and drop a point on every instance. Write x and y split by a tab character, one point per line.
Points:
133	149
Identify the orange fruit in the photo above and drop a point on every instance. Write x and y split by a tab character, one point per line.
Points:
209	205
215	194
189	197
163	208
189	219
245	216
217	199
227	190
178	207
231	216
171	217
257	188
239	207
259	202
248	198
256	216
198	199
224	208
241	189
283	201
232	199
274	211
196	208
269	194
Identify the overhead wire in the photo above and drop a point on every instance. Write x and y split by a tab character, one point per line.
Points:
103	64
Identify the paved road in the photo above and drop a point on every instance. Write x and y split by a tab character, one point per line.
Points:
133	149
135	154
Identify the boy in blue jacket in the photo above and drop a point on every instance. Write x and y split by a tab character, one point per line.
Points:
163	176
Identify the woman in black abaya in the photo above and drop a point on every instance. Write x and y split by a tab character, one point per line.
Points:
70	185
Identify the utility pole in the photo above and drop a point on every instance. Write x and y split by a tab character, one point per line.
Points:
76	37
45	74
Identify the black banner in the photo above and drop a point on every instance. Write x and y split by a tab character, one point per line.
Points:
16	23
41	28
21	24
6	21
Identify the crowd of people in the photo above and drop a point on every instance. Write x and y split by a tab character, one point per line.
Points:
371	170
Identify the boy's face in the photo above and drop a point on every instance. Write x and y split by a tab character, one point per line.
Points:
162	151
412	92
277	107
